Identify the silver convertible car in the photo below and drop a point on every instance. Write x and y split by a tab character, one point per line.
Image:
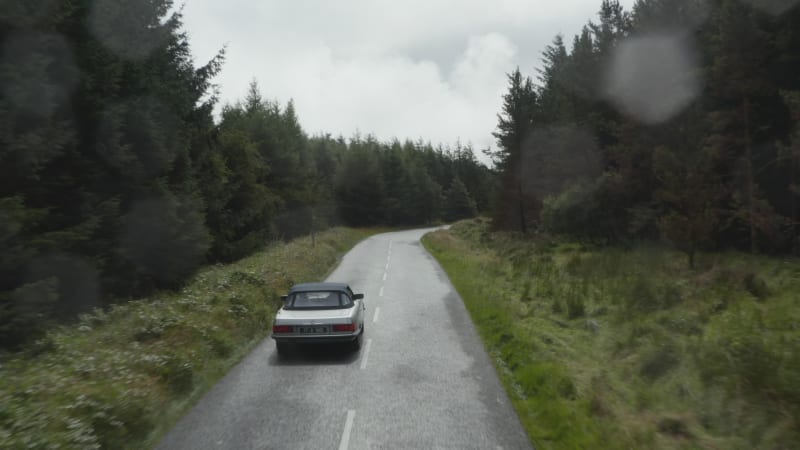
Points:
319	312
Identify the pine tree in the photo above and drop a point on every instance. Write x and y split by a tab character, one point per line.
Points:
421	196
477	178
103	111
555	100
359	186
739	87
689	191
457	203
517	207
614	24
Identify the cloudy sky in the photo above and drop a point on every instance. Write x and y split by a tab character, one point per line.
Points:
430	69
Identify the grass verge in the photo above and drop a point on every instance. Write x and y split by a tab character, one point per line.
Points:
121	378
628	348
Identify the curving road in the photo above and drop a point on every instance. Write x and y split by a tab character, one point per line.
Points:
422	379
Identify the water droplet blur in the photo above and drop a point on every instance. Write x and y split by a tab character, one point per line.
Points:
37	72
652	78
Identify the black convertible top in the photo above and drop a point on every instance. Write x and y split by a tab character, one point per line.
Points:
311	287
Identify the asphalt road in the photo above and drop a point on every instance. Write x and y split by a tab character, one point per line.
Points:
422	379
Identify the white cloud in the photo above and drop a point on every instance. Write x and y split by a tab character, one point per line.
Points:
480	72
411	69
395	96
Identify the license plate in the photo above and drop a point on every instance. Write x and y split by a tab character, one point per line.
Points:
313	330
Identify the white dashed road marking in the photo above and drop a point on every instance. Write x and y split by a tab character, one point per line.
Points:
348	426
375	317
366	354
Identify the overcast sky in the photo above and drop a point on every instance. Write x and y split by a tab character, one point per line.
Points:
407	69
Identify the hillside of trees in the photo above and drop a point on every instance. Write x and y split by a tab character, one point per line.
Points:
115	179
678	120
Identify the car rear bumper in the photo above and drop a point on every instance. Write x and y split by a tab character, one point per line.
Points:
316	338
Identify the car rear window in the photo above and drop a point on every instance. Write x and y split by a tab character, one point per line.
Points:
318	300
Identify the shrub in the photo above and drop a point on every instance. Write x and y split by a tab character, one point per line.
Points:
125	420
645	295
107	419
756	285
178	374
575	307
546	380
578	212
742	354
658	360
682	324
671	295
746	279
172	370
526	291
247	278
220	345
22	312
154	326
576	295
642	295
573	264
674	427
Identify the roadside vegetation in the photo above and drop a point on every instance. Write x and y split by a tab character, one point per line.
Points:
615	347
120	377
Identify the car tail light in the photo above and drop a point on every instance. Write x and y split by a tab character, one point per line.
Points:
348	327
281	329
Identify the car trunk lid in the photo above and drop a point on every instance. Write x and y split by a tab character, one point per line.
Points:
313	317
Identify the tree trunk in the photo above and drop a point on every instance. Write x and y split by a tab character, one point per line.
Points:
522	225
313	233
794	191
749	175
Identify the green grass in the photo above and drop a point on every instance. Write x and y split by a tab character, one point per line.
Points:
628	348
121	378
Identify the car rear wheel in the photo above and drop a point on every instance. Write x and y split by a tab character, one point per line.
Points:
356	345
283	348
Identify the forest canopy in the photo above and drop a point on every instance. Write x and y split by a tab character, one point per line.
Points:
677	120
